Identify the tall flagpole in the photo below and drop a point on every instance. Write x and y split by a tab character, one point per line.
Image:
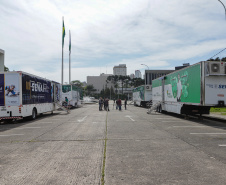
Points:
69	57
62	66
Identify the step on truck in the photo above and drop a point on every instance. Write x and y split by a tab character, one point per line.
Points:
23	95
71	95
142	95
191	90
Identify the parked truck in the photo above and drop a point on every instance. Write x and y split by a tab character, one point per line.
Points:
142	95
23	95
191	90
71	95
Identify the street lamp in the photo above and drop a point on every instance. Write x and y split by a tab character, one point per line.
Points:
145	73
224	8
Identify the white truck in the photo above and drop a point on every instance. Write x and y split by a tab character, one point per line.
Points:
142	95
71	95
23	95
191	90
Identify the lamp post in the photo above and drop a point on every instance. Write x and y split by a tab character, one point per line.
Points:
145	73
224	8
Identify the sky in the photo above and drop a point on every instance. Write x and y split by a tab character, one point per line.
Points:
104	33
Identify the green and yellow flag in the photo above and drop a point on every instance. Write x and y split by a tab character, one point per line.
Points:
63	34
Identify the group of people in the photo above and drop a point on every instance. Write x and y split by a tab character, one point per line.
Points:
105	103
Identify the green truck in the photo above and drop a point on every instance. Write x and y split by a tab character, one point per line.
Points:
191	90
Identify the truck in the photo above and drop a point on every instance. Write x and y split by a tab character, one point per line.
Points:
191	90
142	95
71	95
23	95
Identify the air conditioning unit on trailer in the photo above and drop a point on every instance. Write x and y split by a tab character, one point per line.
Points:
148	87
216	68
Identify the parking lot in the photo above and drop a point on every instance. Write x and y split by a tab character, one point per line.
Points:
89	146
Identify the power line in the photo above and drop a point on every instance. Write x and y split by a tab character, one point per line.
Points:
218	53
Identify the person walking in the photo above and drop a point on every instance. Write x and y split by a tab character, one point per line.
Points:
100	103
125	103
107	104
116	104
120	104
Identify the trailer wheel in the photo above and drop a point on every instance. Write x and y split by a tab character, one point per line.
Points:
34	114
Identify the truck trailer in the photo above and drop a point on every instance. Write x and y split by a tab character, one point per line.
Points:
23	95
71	95
142	95
191	90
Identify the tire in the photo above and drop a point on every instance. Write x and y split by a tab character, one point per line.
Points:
34	114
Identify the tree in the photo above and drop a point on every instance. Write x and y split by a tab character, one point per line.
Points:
138	82
78	83
6	68
89	89
217	59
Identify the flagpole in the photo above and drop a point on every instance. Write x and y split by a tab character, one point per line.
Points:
62	66
70	58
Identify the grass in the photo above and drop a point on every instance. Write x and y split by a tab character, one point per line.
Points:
213	109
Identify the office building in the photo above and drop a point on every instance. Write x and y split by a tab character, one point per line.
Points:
121	69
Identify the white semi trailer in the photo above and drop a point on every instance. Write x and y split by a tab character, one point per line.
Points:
191	90
73	95
23	95
142	95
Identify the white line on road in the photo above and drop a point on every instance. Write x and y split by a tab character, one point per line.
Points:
130	118
27	127
209	133
221	145
12	135
189	126
80	120
173	121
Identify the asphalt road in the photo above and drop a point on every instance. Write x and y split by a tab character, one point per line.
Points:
89	146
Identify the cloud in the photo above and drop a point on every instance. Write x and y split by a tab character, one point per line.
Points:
161	34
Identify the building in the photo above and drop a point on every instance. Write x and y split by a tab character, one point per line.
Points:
132	76
180	67
121	69
2	56
138	74
99	82
153	74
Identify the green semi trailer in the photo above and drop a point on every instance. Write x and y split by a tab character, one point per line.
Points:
191	90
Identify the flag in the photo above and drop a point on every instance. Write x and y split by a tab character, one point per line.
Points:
69	41
63	34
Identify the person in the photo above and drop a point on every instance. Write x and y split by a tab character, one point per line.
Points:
66	100
107	104
10	89
119	104
113	103
104	103
125	103
100	103
116	104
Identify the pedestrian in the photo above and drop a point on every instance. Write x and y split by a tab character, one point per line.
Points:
116	104
125	103
107	104
100	103
113	103
119	104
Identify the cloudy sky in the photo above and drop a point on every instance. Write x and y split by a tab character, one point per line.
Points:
158	33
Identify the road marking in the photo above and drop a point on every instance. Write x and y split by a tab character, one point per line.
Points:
27	127
80	120
221	145
209	133
45	122
12	135
189	126
173	121
129	118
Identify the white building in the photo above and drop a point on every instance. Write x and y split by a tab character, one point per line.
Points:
138	74
121	69
132	76
99	82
